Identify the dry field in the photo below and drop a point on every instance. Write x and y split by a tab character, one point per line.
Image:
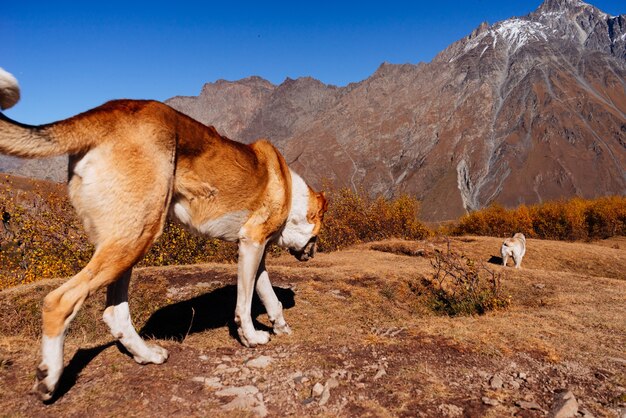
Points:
363	343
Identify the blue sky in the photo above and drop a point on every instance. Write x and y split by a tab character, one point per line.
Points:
72	56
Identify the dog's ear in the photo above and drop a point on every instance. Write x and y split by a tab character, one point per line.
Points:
322	203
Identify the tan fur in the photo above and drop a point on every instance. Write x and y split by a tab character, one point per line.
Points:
514	247
132	162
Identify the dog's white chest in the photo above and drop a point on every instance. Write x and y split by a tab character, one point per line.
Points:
225	227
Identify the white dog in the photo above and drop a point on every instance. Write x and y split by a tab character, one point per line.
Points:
514	247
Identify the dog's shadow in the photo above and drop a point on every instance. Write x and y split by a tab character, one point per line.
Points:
174	322
495	260
209	311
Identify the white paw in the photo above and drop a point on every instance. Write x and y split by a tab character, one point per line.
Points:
45	382
152	354
254	338
282	328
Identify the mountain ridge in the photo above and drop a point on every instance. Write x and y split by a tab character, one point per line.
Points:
520	111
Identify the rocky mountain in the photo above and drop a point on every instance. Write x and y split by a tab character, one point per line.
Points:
525	110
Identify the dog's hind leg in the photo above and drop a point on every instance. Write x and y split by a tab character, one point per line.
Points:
273	307
505	258
117	317
517	258
61	305
122	202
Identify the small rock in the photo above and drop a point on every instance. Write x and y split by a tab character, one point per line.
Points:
213	383
238	391
176	399
449	410
260	362
496	382
203	357
539	285
529	405
317	390
564	405
515	385
522	375
381	372
246	403
490	402
332	383
587	414
325	396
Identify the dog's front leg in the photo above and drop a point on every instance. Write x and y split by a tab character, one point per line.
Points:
273	307
250	255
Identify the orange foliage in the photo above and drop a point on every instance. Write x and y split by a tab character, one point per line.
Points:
569	220
353	217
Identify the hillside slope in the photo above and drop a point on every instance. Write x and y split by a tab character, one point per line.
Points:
358	329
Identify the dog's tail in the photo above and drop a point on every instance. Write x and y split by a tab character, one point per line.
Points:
28	141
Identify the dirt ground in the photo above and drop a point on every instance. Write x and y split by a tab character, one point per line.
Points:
362	344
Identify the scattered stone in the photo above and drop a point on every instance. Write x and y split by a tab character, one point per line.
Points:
483	374
203	357
564	405
213	383
332	383
515	385
238	391
317	390
490	401
496	382
522	375
176	399
380	372
246	403
246	398
325	396
260	362
449	410
539	285
587	414
529	405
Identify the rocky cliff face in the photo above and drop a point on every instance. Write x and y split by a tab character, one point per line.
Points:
522	111
525	110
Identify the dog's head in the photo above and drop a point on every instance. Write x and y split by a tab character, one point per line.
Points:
318	205
304	221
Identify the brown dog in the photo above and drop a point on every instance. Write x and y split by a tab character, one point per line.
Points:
132	163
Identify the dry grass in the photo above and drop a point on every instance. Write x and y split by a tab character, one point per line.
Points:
350	310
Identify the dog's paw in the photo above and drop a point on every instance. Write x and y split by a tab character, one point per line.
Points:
254	338
152	354
44	385
281	329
